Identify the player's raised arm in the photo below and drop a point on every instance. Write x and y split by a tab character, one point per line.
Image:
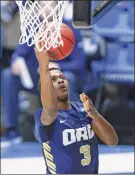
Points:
48	95
101	127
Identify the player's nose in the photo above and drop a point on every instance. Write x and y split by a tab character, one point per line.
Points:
60	81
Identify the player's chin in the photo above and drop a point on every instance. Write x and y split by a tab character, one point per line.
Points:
63	97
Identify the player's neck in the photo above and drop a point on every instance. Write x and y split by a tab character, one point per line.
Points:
64	105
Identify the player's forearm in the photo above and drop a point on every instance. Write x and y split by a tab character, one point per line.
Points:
104	130
48	95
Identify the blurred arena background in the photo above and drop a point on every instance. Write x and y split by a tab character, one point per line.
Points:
101	65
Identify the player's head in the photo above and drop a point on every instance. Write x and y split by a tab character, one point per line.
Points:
60	82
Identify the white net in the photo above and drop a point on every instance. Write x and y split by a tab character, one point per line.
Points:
41	23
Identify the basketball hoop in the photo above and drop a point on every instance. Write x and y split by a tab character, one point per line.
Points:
41	22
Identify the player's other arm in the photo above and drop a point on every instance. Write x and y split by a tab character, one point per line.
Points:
48	95
102	128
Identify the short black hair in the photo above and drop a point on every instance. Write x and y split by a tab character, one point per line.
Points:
39	82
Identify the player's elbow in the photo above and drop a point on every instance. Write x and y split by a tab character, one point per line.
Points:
112	141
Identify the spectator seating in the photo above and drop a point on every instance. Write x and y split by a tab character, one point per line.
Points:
117	22
121	116
117	65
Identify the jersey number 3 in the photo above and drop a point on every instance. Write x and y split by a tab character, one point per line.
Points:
85	149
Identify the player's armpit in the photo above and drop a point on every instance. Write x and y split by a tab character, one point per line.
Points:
48	116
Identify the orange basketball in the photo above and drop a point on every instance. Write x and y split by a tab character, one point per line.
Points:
68	38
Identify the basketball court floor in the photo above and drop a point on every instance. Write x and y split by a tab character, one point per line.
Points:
26	158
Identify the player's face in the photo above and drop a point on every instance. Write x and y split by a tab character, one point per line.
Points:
60	84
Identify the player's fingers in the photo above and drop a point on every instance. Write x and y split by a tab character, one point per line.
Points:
35	48
89	105
81	97
40	54
90	101
36	51
84	98
83	94
44	54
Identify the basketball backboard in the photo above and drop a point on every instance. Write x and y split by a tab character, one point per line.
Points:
88	12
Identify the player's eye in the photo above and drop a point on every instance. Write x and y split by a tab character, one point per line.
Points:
53	78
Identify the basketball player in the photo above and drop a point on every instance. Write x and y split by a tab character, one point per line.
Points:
66	130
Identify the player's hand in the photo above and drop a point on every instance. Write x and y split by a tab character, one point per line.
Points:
42	57
88	106
15	68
